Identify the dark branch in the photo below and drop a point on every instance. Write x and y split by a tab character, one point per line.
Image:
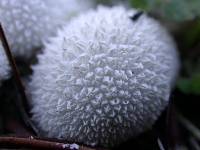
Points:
16	142
173	136
23	103
137	15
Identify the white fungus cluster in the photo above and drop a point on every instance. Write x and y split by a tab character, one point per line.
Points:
4	66
28	23
104	79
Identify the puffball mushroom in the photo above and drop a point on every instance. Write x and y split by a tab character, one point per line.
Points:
105	78
4	66
29	23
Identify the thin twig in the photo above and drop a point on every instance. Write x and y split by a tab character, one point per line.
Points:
194	143
161	146
189	126
172	127
23	103
16	142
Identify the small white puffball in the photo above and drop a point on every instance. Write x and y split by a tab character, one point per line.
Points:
4	66
104	79
28	23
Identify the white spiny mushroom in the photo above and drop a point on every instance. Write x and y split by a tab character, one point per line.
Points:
105	78
28	23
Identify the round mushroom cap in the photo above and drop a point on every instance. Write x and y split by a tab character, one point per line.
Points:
29	23
104	79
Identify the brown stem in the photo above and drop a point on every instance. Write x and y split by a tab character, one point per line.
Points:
195	131
23	103
16	142
173	136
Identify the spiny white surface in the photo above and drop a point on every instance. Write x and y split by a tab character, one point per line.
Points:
66	9
29	23
4	66
104	79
